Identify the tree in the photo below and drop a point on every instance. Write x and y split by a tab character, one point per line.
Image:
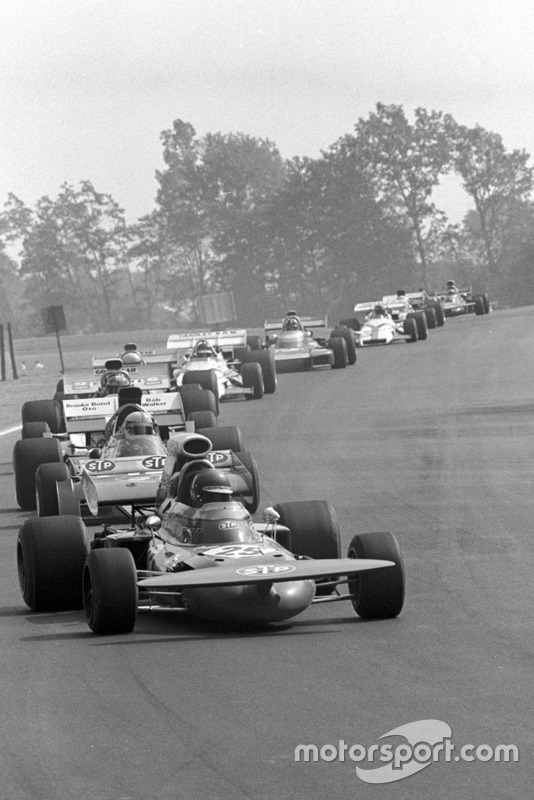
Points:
494	179
405	162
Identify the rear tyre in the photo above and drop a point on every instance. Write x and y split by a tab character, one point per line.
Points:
203	419
254	342
431	319
225	437
339	349
410	329
35	430
314	532
250	501
420	321
28	455
42	411
479	305
351	322
47	477
51	552
346	333
199	400
378	593
253	379
110	594
438	310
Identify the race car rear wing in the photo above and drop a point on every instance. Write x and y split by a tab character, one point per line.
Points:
307	322
90	414
148	356
87	381
222	340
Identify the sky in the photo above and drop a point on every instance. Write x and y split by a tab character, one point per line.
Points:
87	86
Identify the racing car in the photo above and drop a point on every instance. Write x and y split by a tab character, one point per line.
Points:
398	308
104	379
86	427
224	363
203	553
295	348
457	302
378	327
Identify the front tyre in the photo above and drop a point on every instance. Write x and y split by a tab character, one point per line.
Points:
51	552
377	593
110	594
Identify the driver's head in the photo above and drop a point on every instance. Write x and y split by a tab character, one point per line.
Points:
132	358
203	349
379	311
291	323
139	423
211	486
111	382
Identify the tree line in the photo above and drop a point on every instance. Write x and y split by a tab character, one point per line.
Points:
317	234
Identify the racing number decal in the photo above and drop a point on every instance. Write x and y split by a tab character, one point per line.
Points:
238	551
100	466
154	462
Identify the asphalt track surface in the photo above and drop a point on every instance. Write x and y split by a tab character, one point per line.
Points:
432	441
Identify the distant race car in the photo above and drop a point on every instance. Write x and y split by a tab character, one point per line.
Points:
203	553
295	348
224	363
398	309
376	326
457	302
85	423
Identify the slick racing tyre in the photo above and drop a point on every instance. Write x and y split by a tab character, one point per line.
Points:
351	322
28	455
347	333
431	319
199	400
480	307
314	533
42	411
253	379
254	342
438	310
378	593
47	478
265	358
410	329
203	419
421	323
225	437
250	501
110	594
339	349
35	430
51	552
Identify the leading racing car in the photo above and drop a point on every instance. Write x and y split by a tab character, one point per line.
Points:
203	553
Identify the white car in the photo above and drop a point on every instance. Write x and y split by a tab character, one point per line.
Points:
379	327
223	362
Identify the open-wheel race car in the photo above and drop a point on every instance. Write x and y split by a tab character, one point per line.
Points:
229	363
203	553
295	347
457	302
374	325
96	429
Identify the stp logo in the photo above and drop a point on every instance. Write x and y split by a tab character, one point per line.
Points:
228	525
217	458
154	462
100	466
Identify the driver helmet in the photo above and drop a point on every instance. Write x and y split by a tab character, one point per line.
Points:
379	310
111	382
139	423
401	293
211	486
451	291
203	349
451	285
130	357
292	322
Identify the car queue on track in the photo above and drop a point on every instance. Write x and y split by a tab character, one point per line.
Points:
192	510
